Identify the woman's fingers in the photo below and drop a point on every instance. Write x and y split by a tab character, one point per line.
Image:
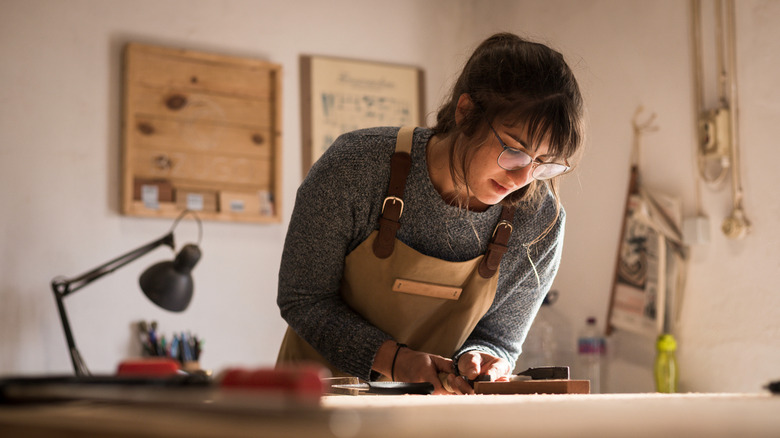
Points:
470	364
416	366
473	364
460	385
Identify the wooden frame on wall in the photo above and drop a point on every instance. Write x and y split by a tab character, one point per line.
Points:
342	95
201	131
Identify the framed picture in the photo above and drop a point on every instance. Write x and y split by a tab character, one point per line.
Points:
638	293
650	274
342	95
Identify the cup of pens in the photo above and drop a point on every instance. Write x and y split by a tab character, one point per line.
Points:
183	347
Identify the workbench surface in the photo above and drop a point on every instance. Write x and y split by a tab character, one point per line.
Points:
605	415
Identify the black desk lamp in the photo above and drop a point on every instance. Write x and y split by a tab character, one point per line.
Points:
168	284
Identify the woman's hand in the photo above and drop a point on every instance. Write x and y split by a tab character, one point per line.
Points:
416	366
473	364
406	365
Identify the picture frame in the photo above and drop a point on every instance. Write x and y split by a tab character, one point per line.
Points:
651	266
341	95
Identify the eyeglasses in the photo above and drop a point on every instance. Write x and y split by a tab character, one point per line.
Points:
515	159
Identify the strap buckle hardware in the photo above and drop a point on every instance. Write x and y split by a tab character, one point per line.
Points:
504	223
394	199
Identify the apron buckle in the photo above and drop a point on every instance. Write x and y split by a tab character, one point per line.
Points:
505	223
395	199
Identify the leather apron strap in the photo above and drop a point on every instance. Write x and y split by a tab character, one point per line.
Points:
393	205
498	243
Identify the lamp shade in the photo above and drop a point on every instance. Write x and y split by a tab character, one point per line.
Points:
169	284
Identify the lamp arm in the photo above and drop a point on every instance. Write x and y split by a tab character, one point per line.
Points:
75	357
63	287
66	286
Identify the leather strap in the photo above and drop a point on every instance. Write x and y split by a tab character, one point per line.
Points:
498	244
393	205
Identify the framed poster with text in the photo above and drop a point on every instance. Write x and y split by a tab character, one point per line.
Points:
341	95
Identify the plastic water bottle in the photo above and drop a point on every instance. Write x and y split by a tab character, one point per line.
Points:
666	372
591	349
550	339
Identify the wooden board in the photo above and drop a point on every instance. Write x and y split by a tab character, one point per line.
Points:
206	122
557	386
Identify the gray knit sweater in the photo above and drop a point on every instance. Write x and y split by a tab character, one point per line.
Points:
337	208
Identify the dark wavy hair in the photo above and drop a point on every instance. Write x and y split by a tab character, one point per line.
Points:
515	80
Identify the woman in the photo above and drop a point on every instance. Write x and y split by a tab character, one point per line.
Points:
415	254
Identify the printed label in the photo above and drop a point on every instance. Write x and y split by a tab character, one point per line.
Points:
194	201
150	195
237	205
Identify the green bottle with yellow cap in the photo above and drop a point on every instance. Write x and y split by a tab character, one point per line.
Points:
666	372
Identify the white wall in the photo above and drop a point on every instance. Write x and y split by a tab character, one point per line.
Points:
59	168
631	53
60	165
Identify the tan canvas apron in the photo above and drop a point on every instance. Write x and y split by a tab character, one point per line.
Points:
430	304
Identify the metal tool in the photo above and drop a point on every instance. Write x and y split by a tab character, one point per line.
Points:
349	386
535	373
546	373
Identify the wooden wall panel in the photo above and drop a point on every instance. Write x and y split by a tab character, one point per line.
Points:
204	127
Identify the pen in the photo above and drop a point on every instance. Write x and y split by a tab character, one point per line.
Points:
175	347
185	344
197	347
143	338
153	339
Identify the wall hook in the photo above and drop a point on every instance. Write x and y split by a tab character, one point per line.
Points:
640	129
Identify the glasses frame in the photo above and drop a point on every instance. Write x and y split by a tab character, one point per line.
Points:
533	162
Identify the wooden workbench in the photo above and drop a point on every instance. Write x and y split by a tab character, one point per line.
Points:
634	415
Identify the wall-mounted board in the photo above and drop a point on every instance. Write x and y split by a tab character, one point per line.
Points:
202	132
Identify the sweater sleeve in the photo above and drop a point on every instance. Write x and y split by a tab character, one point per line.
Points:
332	214
520	293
